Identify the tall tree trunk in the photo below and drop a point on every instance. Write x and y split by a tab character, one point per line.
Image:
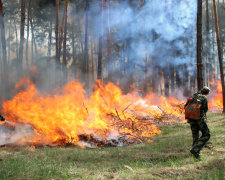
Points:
49	54
32	42
199	46
4	58
80	36
109	48
219	54
86	48
208	51
33	45
9	44
17	43
2	29
28	28
85	68
64	40
22	25
74	50
63	26
213	45
50	41
65	31
57	32
99	74
145	85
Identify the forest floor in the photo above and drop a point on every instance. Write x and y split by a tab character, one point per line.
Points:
167	157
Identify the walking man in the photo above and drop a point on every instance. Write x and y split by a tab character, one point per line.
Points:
199	124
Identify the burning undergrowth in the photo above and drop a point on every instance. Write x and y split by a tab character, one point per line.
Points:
107	117
69	117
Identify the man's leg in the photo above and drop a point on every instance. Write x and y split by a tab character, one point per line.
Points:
204	138
195	132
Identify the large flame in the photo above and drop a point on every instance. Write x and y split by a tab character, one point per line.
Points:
69	116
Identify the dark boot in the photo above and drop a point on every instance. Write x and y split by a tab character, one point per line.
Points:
195	154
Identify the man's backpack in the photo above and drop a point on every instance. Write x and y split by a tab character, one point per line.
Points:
192	109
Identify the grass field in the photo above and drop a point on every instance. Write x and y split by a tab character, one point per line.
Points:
167	157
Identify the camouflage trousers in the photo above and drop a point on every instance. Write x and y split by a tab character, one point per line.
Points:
196	127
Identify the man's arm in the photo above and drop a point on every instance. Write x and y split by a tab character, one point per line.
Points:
205	104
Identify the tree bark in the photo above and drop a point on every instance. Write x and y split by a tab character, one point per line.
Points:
33	44
57	32
63	26
17	43
65	31
86	48
99	74
22	25
4	58
208	51
86	56
2	29
28	28
219	54
64	41
199	46
50	41
109	47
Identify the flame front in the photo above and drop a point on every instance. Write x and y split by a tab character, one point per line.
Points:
62	117
68	115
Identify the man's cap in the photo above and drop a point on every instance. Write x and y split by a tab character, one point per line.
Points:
205	90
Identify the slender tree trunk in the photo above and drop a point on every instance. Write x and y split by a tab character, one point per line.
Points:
199	46
34	46
219	54
86	48
49	54
2	29
50	41
17	43
28	28
146	81
4	58
63	26
213	46
99	74
74	50
57	32
86	57
178	77
9	43
65	72
109	48
65	31
80	36
22	25
208	51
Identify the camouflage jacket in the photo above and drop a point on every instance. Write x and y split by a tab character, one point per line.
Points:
204	102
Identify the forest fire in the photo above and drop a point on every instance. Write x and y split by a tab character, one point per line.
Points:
71	117
107	118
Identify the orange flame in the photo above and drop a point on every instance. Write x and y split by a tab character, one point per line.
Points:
62	117
215	98
66	116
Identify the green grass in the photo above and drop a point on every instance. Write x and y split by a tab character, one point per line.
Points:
167	157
